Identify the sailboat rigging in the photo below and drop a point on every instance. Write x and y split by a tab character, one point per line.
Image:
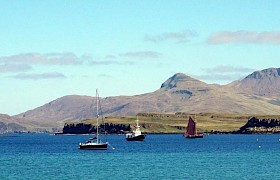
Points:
95	142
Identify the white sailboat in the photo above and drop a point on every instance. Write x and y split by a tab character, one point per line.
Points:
95	142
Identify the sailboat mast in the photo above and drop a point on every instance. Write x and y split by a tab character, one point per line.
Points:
97	115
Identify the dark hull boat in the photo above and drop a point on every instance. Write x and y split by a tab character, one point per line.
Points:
191	131
95	143
94	146
136	138
135	135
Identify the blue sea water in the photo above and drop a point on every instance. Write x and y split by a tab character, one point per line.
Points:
166	156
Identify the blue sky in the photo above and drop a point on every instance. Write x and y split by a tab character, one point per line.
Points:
50	49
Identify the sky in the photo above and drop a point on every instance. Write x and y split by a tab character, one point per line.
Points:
50	49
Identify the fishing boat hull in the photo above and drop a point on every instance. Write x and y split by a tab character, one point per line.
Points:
136	138
91	146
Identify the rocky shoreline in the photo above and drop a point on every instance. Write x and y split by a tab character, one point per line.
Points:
260	126
256	126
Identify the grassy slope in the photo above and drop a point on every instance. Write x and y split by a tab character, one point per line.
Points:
205	122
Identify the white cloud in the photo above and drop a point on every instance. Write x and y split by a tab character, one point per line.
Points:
183	36
8	68
49	75
223	73
219	77
110	57
105	76
44	59
225	37
100	62
222	69
141	54
115	60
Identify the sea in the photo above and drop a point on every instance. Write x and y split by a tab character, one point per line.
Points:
161	156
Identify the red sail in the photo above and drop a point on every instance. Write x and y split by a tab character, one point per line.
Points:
191	129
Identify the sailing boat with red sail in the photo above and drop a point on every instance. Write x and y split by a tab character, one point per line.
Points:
191	131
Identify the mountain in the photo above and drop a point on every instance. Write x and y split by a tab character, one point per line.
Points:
179	93
54	113
260	83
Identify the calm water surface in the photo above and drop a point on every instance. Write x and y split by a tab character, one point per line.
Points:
41	156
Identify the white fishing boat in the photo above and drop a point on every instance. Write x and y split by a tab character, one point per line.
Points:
135	135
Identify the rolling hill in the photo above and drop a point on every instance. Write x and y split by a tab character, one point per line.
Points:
9	124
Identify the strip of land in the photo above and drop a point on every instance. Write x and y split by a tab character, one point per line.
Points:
176	123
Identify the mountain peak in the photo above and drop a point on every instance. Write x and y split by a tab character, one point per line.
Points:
266	73
180	80
263	83
180	75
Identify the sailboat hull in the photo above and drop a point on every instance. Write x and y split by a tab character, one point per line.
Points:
194	136
91	146
136	138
